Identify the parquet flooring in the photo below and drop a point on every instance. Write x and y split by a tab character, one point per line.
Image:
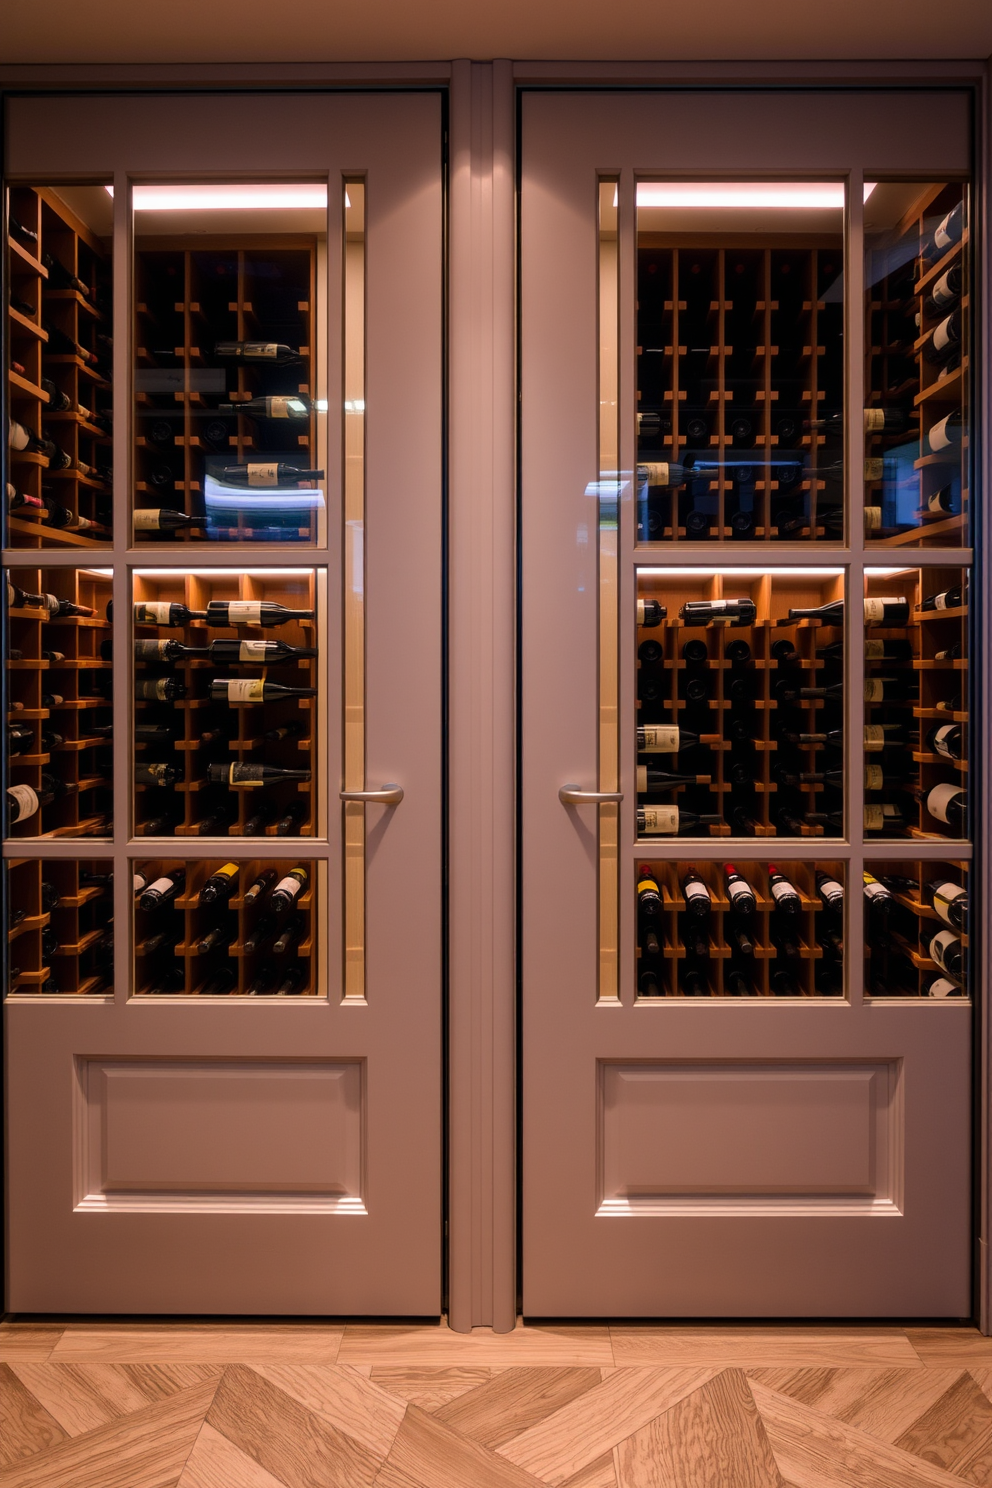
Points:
338	1406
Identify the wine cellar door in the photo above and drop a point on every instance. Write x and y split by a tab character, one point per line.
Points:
222	830
747	589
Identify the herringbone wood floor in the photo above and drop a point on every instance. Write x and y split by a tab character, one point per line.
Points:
305	1406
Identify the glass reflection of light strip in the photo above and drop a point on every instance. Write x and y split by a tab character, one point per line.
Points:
749	573
222	573
794	195
885	573
234	197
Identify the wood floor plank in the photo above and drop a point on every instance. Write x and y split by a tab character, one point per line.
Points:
955	1432
147	1449
427	1386
429	1454
83	1397
204	1343
751	1348
216	1463
580	1432
295	1445
883	1402
983	1379
814	1450
28	1340
363	1410
578	1346
514	1400
950	1346
715	1435
26	1427
599	1474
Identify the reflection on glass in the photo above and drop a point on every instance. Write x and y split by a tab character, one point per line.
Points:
227	379
770	929
740	702
916	703
59	355
59	766
917	336
916	929
607	496
60	926
353	772
740	370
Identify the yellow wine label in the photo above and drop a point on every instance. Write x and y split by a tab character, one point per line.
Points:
146	518
874	469
660	738
245	690
874	689
874	818
661	819
252	650
656	473
874	738
873	518
874	420
874	778
263	473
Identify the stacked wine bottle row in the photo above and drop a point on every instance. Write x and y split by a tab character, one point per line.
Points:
60	926
740	391
917	336
740	705
224	391
744	930
916	929
58	673
59	376
214	928
224	697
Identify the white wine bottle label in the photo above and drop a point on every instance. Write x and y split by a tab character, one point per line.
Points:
263	473
942	335
874	689
874	818
874	469
244	612
832	891
655	473
873	518
945	896
697	891
252	650
660	819
939	437
875	609
147	519
245	690
738	890
874	650
874	420
940	601
943	738
287	887
942	987
161	886
875	890
151	614
139	882
782	891
944	943
25	799
940	798
659	738
874	777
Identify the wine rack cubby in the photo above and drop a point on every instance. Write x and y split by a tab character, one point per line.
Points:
916	929
59	372
169	954
188	738
60	926
58	668
790	944
917	354
768	759
221	324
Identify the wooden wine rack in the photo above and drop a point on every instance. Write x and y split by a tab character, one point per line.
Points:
897	372
814	972
84	318
81	923
730	331
82	760
191	295
773	595
195	797
905	967
194	921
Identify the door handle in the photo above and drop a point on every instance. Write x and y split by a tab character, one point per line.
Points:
390	795
570	795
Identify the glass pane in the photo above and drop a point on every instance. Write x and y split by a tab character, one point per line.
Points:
607	496
916	931
59	367
225	692
917	339
59	678
740	702
213	928
916	703
740	380
229	410
60	926
745	930
354	586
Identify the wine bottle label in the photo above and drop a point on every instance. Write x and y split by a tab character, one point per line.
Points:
874	818
874	689
940	601
873	518
832	891
660	819
655	473
139	882
245	690
874	469
263	473
874	609
260	350
161	886
158	688
145	519
942	987
659	739
287	887
874	650
875	890
874	420
279	407
642	780
936	501
939	801
945	895
874	777
253	650
151	650
783	890
244	612
942	334
938	437
153	772
245	775
874	738
943	945
696	891
739	891
152	614
25	799
943	740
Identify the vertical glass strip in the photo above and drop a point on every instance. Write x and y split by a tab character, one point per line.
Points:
608	530
354	585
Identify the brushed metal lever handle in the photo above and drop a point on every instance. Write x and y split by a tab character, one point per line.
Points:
570	795
390	795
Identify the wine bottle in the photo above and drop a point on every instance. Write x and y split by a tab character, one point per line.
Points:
164	890
649	781
255	473
650	612
879	736
878	650
946	949
948	804
666	738
217	939
696	895
158	774
221	884
217	821
738	985
288	889
886	611
173	980
707	611
692	983
946	432
650	652
250	776
263	928
261	818
289	934
649	901
944	341
263	612
159	689
785	653
163	519
59	277
20	599
661	473
947	739
941	987
878	899
223	981
154	733
945	292
833	737
292	980
237	690
288	406
948	599
267	653
784	985
292	817
737	652
259	885
739	938
827	614
651	423
19	230
671	820
890	689
784	893
271	353
165	941
697	524
139	881
885	819
947	232
949	900
949	653
23	801
292	730
265	980
830	891
739	892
